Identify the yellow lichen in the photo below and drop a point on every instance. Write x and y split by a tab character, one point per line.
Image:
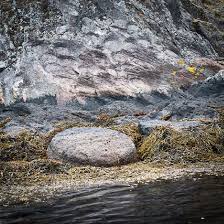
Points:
181	62
192	70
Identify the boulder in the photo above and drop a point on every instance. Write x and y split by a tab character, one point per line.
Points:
92	146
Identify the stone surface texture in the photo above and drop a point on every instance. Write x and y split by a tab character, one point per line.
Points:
92	146
137	60
73	49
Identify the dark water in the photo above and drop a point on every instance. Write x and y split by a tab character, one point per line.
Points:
185	201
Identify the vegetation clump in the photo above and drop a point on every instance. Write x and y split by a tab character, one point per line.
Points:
25	146
17	172
24	156
105	120
4	122
131	130
169	145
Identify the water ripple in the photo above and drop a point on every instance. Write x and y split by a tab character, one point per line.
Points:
185	201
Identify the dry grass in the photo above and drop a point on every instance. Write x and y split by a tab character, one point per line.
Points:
23	158
105	120
166	117
221	117
28	146
5	121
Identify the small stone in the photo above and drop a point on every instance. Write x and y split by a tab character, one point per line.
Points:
2	64
92	146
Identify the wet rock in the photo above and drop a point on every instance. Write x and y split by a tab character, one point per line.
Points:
1	96
18	109
92	146
210	31
42	118
208	20
212	85
2	65
189	106
213	66
147	126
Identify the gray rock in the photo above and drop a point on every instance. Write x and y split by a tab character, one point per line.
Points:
42	118
80	58
146	126
212	85
70	49
92	146
2	64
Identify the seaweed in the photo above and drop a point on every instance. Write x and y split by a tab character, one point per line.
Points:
132	130
23	158
26	146
173	146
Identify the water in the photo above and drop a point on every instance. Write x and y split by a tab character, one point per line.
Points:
185	201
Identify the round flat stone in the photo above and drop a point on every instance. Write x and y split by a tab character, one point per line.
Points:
92	146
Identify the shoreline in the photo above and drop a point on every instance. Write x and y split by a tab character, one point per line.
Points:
86	177
27	175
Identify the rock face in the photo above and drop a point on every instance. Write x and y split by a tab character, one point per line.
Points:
211	86
136	60
73	49
92	146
